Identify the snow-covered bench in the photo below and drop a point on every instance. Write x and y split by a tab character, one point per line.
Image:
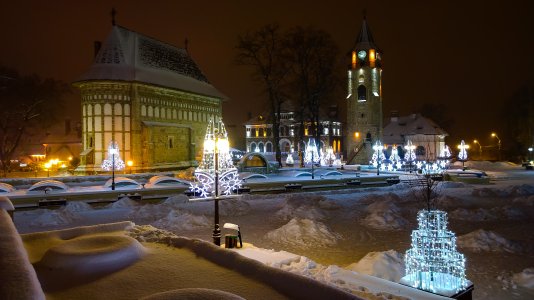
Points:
18	277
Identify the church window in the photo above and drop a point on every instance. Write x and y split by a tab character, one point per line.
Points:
143	110
156	112
190	117
118	123
127	109
368	137
174	114
362	93
150	111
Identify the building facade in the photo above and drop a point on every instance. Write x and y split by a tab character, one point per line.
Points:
259	135
364	98
149	97
427	137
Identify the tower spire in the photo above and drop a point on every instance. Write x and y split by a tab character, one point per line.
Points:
113	14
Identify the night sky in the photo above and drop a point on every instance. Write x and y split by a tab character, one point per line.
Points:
471	57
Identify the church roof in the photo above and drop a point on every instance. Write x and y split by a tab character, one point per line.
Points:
365	39
130	56
414	124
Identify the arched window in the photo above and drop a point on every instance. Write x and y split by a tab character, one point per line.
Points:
260	146
361	79
368	137
252	147
362	93
268	147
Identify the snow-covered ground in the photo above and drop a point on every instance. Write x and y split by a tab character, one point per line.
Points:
365	230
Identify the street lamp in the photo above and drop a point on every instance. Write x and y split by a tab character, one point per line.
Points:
113	162
530	153
493	134
216	169
47	166
479	148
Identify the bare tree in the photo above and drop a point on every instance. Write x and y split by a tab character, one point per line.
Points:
313	56
27	104
264	51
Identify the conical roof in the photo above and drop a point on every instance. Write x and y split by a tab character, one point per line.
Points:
365	39
130	56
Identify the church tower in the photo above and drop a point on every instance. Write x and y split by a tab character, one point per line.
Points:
364	107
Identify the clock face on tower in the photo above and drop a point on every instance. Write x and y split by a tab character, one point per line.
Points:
362	54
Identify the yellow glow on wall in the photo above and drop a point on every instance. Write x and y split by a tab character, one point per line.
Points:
372	58
353	59
306	131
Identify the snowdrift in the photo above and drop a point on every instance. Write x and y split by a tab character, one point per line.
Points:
304	232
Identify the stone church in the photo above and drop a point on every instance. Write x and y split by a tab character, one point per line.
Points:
149	97
364	98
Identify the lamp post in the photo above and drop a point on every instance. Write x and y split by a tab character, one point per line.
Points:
493	134
479	149
530	153
113	162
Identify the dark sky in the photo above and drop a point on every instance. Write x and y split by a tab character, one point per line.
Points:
470	55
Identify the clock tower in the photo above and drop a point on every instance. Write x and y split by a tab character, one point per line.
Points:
364	98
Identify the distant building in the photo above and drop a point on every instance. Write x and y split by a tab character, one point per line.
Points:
426	135
148	96
259	135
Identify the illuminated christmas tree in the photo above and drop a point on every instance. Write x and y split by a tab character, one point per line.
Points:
432	263
311	152
378	155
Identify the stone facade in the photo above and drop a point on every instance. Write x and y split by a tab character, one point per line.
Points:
156	111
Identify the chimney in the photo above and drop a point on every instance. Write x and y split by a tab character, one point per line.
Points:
394	116
97	46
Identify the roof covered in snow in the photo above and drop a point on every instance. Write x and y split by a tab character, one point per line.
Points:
130	56
413	124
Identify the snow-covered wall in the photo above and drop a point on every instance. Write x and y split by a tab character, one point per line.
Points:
18	277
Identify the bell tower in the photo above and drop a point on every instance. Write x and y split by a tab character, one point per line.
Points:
364	97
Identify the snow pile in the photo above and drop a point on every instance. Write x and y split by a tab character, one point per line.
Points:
176	200
193	293
48	217
528	201
234	207
304	232
473	215
305	206
452	184
124	202
525	278
387	265
485	241
509	191
148	233
90	255
177	220
77	206
384	215
446	201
